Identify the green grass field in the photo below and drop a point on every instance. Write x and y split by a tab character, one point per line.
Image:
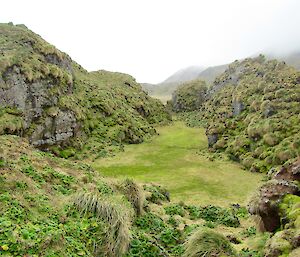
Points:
172	159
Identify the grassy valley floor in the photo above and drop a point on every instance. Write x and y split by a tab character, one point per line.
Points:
178	159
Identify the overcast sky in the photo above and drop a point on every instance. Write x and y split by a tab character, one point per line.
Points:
151	39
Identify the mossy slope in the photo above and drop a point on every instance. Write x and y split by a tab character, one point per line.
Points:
252	112
53	101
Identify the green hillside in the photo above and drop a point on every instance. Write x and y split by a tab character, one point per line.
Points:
162	91
252	113
54	102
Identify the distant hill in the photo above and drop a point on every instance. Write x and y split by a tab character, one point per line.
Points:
185	74
164	90
211	73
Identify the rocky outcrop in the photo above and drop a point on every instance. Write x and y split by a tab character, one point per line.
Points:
33	99
212	139
291	173
266	203
64	63
55	130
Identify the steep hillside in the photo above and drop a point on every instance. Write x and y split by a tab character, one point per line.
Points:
252	113
53	101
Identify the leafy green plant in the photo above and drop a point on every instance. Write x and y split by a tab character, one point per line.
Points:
249	253
172	221
251	231
143	245
214	214
170	237
175	209
32	172
104	188
150	222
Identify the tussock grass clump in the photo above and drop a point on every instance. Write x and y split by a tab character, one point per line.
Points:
113	211
135	195
205	242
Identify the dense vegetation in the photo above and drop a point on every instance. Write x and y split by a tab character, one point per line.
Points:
252	113
189	96
56	207
53	101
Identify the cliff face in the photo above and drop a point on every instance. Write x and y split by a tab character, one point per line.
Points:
52	100
34	75
278	209
37	103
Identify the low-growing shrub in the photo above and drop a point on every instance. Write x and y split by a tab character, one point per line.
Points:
175	209
158	194
216	214
150	222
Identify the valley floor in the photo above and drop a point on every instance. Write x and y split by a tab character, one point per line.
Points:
178	159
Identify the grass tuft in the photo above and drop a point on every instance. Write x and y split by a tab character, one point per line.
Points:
205	242
135	195
113	211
